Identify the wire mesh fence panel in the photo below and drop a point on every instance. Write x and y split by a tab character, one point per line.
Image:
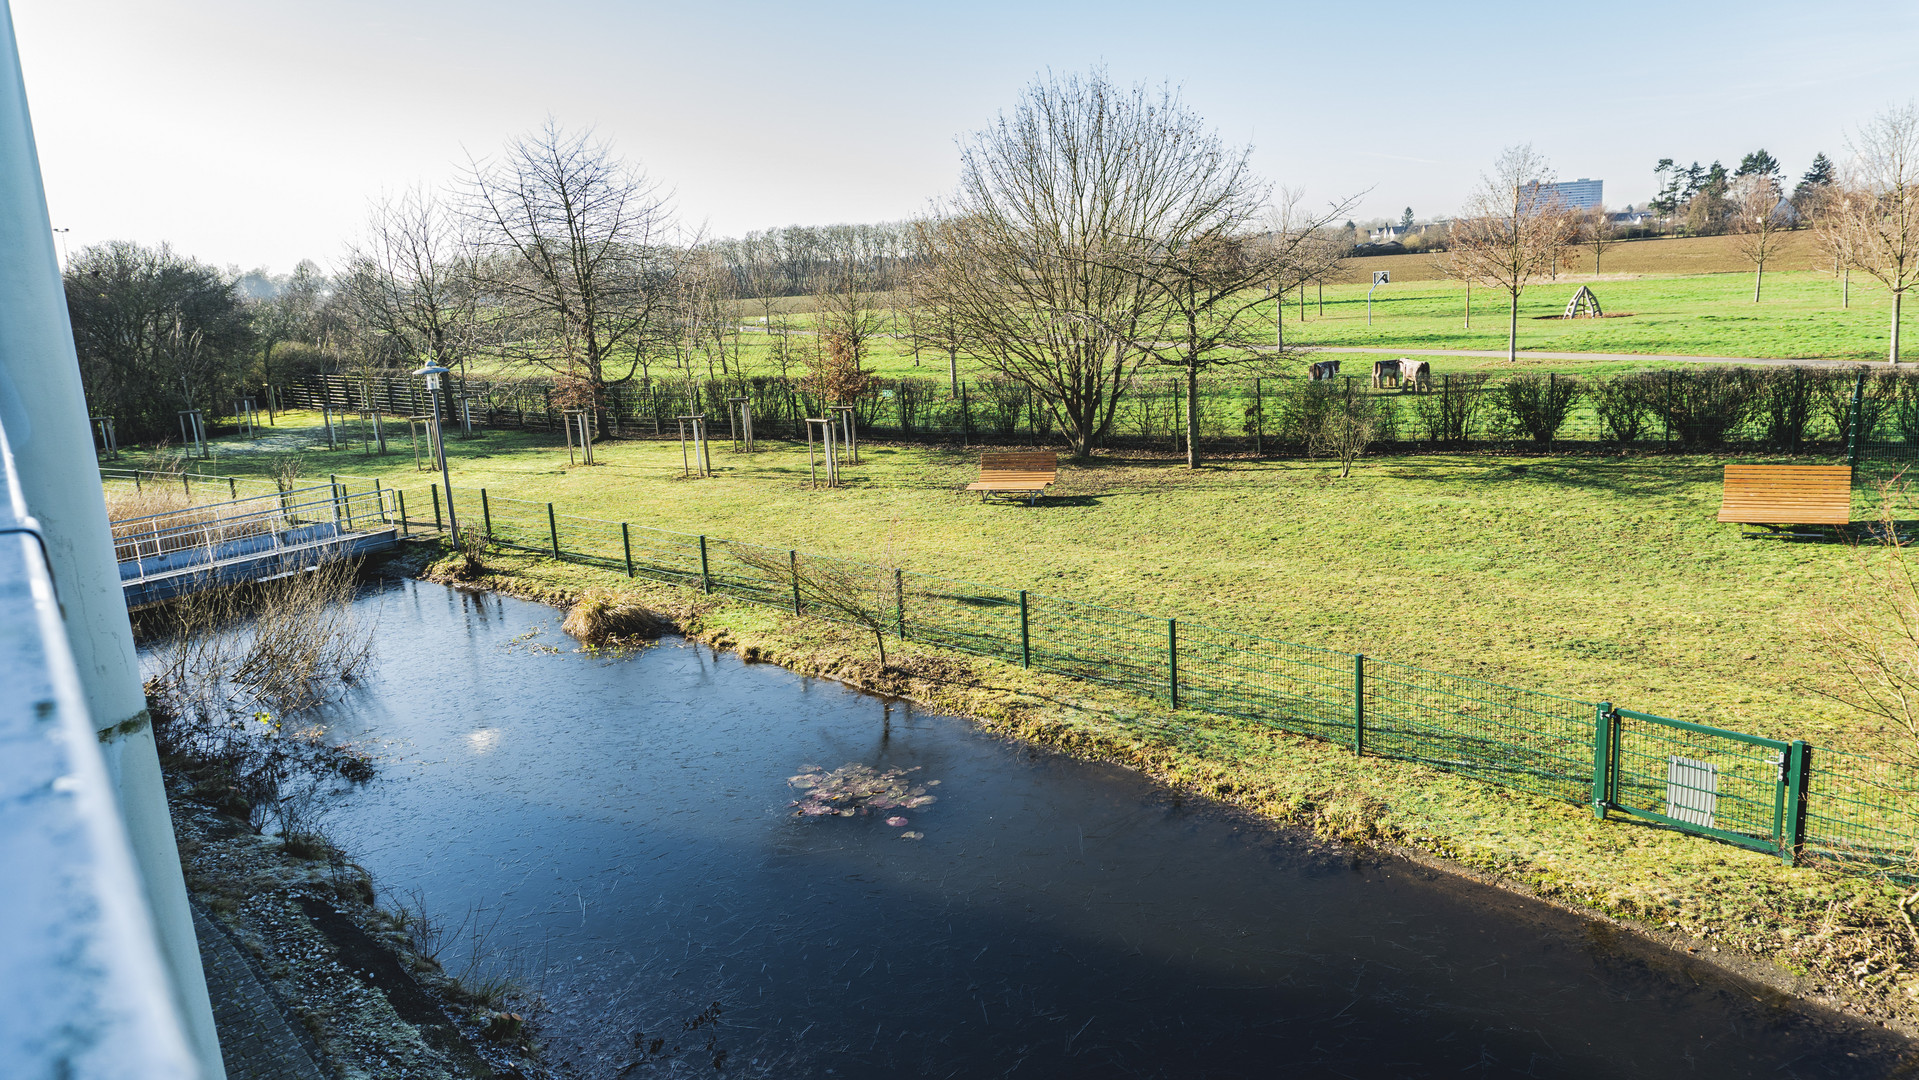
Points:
595	541
1101	645
1536	742
518	524
760	575
662	555
1298	688
962	615
1862	812
1721	783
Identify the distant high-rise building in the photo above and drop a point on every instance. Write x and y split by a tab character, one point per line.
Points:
1580	194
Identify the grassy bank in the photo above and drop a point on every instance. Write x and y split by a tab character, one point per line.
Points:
1598	577
1836	939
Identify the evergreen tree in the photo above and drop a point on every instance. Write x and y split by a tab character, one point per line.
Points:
1406	218
1816	183
1759	163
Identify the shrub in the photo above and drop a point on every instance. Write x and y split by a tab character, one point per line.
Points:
228	663
1624	404
1003	401
1704	405
1903	406
1348	421
1302	409
1537	404
1450	412
1785	406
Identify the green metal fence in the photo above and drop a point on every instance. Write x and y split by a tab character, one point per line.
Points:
1766	794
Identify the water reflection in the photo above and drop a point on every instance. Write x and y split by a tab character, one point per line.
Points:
625	829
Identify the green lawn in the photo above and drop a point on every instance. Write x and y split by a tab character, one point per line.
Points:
1798	317
1593	577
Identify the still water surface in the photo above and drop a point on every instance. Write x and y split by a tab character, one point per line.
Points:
623	830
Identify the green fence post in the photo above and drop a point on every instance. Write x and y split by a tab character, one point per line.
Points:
1798	777
233	488
899	601
553	529
486	513
706	579
186	485
1854	413
1359	704
1602	758
626	541
1172	661
438	527
379	500
1026	641
404	531
793	560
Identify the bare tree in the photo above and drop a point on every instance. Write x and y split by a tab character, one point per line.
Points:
1512	231
1757	224
1829	235
848	305
1878	208
1058	205
932	323
1597	233
575	238
413	278
1866	634
1204	296
1308	251
857	593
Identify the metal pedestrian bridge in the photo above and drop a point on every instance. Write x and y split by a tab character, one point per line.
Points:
253	538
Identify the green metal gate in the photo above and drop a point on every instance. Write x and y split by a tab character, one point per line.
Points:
1743	789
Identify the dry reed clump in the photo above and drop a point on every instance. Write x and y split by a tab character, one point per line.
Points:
601	617
230	664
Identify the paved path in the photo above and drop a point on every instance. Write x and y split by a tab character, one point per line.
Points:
256	1039
1528	354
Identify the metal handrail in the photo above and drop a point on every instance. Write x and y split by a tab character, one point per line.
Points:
345	511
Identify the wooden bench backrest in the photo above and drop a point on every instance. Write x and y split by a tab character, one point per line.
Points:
1787	495
1020	461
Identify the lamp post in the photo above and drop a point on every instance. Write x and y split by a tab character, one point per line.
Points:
434	373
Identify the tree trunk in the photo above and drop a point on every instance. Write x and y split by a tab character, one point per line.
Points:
1469	304
1512	333
1279	320
952	370
1758	275
1192	415
1898	295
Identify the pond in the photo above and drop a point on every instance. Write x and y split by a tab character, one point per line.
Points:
621	832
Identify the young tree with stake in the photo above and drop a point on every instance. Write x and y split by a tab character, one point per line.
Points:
1512	230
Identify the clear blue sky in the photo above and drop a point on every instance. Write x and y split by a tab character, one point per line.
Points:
255	132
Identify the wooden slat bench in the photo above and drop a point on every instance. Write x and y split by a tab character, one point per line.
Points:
1776	496
1017	473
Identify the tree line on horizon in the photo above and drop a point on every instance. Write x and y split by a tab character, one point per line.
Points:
1096	230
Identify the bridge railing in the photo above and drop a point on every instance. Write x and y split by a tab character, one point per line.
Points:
247	527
